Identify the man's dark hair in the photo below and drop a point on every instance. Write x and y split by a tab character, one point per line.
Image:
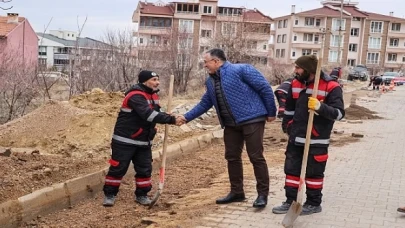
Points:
218	53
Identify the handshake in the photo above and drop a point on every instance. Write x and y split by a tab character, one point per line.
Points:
180	120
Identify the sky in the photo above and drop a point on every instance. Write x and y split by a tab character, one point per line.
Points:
105	15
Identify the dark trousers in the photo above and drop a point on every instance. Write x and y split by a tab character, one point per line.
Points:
317	158
234	138
121	157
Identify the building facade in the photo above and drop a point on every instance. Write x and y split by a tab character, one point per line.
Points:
196	26
353	36
18	41
56	50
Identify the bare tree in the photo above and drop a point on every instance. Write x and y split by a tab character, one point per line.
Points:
6	1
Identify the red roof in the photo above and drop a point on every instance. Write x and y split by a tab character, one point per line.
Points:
354	11
5	27
376	16
321	11
150	8
256	16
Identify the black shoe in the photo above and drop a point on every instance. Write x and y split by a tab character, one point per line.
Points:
282	209
260	202
109	201
231	197
309	209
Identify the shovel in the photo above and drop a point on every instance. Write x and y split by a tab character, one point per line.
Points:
296	207
163	154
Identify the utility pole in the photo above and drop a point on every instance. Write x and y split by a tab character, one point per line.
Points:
340	34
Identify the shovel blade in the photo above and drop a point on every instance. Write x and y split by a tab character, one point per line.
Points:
292	214
154	199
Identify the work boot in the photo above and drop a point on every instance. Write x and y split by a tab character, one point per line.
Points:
109	201
143	200
260	202
282	209
231	197
309	209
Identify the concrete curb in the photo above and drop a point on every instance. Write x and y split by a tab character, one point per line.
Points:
63	195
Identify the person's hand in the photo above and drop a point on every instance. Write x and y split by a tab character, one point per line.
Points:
180	120
314	104
270	119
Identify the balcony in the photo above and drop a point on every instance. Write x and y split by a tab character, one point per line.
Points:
257	36
60	56
307	45
153	30
396	34
306	29
391	49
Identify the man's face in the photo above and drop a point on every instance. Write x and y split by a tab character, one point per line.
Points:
211	63
298	70
152	83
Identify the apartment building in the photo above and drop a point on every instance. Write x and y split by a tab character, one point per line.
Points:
196	26
361	37
56	49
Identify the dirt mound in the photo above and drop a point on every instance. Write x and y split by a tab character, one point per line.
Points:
356	112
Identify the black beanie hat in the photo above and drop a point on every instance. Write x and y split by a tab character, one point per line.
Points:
308	63
146	75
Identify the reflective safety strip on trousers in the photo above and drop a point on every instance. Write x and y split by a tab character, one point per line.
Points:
152	116
313	141
131	141
126	109
143	182
314	183
289	113
282	90
113	181
292	181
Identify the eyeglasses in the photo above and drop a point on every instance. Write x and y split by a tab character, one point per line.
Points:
206	61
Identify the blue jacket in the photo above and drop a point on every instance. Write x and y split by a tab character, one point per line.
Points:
247	92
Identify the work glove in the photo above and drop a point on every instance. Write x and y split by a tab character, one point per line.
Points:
314	104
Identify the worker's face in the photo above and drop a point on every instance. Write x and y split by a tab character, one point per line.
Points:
152	83
211	63
301	73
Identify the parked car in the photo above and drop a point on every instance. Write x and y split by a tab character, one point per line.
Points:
359	72
388	76
399	80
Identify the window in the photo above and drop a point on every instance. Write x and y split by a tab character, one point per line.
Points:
296	22
285	23
186	26
293	54
187	8
318	22
353	47
403	59
186	43
229	11
376	27
282	54
42	61
354	32
228	28
206	33
316	39
351	62
295	38
396	27
141	40
338	24
392	57
154	39
356	18
279	39
204	49
373	57
334	41
42	50
252	44
61	61
306	51
374	42
285	38
207	9
333	56
280	24
308	37
394	42
277	53
309	21
264	47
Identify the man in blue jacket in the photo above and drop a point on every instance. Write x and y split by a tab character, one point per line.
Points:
244	102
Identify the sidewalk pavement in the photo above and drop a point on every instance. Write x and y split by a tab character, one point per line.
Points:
364	182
